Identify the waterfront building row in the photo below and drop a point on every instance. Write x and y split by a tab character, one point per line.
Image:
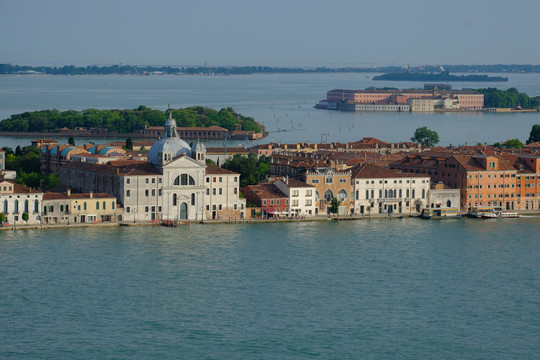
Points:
511	181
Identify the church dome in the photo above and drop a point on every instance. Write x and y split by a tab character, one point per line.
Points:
169	146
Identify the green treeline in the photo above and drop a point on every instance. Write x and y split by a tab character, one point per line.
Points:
125	121
510	98
26	162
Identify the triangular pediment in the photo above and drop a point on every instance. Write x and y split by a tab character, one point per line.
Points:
183	162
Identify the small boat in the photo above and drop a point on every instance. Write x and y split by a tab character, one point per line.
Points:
509	214
484	212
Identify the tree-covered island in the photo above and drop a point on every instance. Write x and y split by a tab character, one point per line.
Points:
126	121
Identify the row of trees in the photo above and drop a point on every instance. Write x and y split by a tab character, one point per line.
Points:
252	169
510	98
26	162
125	121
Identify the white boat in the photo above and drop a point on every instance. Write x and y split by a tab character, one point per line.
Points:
509	214
486	212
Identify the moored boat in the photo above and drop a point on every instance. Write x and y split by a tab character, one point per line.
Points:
440	213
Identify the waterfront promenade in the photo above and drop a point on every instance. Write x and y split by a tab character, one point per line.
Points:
233	221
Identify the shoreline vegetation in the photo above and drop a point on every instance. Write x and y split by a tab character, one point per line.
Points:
125	121
122	69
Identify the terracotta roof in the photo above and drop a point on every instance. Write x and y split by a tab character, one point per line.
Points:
216	170
265	191
20	189
371	171
471	163
293	183
221	150
61	196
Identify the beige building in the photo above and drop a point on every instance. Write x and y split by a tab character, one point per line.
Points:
330	184
69	208
222	197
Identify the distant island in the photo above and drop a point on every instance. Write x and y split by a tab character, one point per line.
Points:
442	76
135	121
146	70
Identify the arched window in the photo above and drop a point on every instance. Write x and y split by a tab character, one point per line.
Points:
413	193
367	194
5	207
423	193
342	195
16	211
61	208
184	179
36	206
84	205
97	205
104	205
183	211
380	194
372	194
174	200
328	195
26	206
112	205
317	196
400	193
407	193
193	199
448	203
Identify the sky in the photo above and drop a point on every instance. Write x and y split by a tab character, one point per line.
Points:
303	33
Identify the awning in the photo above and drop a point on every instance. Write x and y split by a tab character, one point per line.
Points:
270	210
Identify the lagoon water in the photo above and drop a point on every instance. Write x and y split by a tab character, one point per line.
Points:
282	102
372	289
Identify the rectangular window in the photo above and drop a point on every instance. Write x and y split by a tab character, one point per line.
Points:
153	192
153	180
235	207
235	191
128	193
146	209
128	181
220	191
146	180
213	191
146	192
128	209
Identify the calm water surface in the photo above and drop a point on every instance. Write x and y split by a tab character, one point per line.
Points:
377	289
282	102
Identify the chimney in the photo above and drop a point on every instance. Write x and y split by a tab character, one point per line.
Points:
91	194
68	192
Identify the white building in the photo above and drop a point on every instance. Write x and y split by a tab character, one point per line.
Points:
15	200
301	196
222	198
172	185
383	191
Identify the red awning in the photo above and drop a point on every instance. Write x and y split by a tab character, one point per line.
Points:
270	210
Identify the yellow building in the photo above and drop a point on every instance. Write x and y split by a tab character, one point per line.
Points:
79	208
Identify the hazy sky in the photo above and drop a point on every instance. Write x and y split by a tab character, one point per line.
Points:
273	32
